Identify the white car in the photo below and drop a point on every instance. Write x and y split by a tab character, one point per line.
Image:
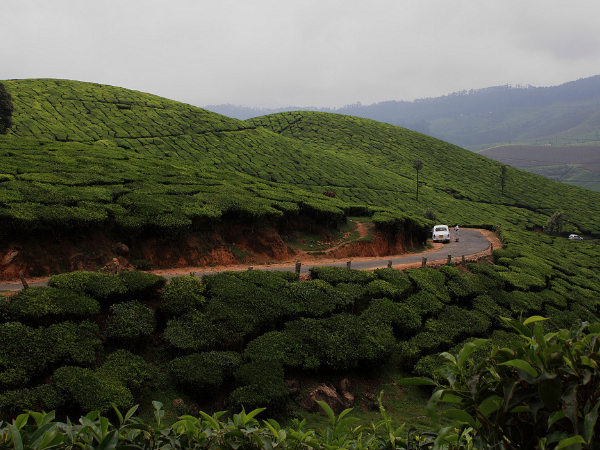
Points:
440	233
576	237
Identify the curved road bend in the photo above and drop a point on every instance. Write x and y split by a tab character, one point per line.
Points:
470	243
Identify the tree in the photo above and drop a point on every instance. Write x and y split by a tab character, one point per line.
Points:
418	165
555	223
503	170
6	110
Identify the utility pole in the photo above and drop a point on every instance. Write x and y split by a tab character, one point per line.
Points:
418	165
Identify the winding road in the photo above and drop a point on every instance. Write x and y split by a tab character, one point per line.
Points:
472	242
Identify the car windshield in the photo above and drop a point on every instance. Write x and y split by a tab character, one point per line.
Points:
441	229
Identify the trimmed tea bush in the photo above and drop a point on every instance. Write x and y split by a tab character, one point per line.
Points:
130	369
104	287
334	275
48	302
316	298
86	390
262	384
140	284
192	331
201	372
130	321
397	278
181	295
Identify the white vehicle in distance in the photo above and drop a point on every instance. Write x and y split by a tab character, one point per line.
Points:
576	237
440	233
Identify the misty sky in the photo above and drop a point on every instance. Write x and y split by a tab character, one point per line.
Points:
290	52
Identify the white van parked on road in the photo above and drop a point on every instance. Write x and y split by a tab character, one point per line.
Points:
440	233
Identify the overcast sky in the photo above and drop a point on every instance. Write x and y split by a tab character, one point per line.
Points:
301	52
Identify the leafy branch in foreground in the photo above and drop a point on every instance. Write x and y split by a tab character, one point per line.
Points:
39	431
544	392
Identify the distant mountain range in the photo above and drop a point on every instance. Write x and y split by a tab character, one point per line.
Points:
478	119
513	125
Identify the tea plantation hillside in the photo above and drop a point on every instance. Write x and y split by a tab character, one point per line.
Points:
80	157
81	154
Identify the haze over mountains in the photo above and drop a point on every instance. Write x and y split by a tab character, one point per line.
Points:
488	119
477	119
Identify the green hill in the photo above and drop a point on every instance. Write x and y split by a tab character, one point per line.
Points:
79	159
81	154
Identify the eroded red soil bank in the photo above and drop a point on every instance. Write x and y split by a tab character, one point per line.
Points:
46	254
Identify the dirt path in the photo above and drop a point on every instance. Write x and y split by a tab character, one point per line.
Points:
473	244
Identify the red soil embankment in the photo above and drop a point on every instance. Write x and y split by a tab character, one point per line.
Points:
45	254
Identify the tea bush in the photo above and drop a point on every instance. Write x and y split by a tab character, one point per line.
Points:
45	397
261	383
316	298
192	331
386	312
335	275
104	287
130	321
47	302
395	277
181	295
129	369
28	352
140	284
85	389
202	373
430	280
541	392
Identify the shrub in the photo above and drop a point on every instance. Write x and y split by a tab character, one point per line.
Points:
395	277
424	303
44	397
130	320
337	342
139	284
430	280
271	346
486	304
335	275
181	295
350	292
204	371
315	298
72	342
142	264
90	390
466	285
523	281
261	385
6	110
385	312
104	287
131	370
192	331
28	352
553	397
520	302
454	322
39	302
381	288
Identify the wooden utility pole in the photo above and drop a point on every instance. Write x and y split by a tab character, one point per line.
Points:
418	165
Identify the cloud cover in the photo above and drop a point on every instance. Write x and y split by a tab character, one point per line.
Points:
301	52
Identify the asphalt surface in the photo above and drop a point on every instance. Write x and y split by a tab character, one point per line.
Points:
470	242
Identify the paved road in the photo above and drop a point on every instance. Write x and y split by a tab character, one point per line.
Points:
470	243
